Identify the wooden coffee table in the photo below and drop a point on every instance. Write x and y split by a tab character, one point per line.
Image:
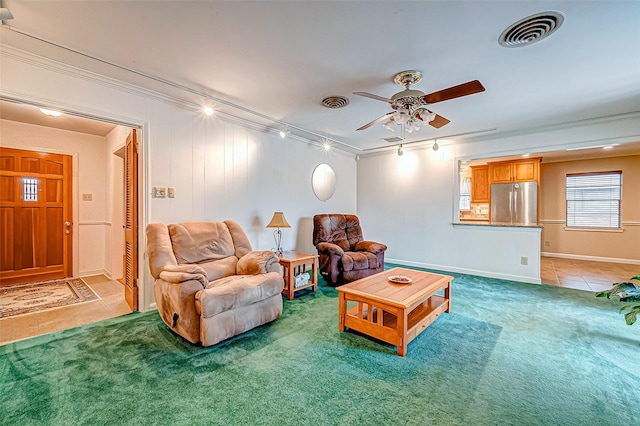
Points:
393	313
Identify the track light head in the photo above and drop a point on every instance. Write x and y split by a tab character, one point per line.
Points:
208	110
5	14
435	145
400	151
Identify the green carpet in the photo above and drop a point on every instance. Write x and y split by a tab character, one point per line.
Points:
508	354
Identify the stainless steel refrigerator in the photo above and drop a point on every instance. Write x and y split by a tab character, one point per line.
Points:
514	203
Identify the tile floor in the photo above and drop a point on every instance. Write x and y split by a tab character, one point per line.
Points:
110	305
584	275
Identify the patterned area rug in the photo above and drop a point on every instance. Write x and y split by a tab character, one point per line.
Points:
21	299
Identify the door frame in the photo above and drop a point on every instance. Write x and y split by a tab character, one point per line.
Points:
145	292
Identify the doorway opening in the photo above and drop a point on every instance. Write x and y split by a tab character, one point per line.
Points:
102	207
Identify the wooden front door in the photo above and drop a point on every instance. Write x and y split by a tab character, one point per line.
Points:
131	221
35	216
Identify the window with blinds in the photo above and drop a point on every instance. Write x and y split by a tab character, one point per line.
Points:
594	200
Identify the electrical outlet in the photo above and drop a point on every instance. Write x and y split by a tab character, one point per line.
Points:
547	243
87	197
159	192
524	260
171	192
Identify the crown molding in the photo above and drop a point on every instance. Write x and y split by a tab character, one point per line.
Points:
62	68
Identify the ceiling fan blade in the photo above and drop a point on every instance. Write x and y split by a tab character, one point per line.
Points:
377	120
372	96
439	121
464	89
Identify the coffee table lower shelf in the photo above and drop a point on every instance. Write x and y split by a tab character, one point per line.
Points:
387	327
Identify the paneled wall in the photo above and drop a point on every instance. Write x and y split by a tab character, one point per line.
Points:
219	169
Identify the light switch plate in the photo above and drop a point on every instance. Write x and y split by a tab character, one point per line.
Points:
171	192
159	192
87	197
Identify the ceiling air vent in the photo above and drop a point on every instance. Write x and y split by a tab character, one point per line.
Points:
394	139
335	102
531	29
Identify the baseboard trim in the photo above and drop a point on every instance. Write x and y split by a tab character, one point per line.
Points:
95	272
591	258
467	271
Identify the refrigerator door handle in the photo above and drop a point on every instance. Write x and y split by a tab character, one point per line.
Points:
511	206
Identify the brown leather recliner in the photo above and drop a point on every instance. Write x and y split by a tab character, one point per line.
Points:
344	254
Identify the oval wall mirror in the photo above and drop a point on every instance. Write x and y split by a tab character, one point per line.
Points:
323	182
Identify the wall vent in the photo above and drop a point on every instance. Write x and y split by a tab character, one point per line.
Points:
531	29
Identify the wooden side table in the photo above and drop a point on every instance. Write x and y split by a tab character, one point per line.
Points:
294	262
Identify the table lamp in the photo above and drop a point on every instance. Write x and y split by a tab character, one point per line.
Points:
278	221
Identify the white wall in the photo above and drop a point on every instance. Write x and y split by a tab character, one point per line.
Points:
410	202
89	217
220	170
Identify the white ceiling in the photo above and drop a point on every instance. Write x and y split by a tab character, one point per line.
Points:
30	114
280	59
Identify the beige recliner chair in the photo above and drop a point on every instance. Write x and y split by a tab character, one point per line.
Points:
209	284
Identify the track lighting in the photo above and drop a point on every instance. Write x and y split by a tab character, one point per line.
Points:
326	146
5	14
285	132
400	151
208	110
50	112
435	145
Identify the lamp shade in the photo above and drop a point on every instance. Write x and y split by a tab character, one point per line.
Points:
278	221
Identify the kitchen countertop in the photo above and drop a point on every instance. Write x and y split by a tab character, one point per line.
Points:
494	224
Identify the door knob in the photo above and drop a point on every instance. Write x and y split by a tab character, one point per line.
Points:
67	232
67	223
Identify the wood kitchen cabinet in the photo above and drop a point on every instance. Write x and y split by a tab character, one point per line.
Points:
501	172
479	184
526	170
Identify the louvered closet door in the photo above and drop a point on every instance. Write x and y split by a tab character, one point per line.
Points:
131	221
35	216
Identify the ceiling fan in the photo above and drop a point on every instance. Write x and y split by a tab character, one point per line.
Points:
410	106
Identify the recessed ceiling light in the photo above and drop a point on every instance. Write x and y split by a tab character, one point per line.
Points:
50	112
208	110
